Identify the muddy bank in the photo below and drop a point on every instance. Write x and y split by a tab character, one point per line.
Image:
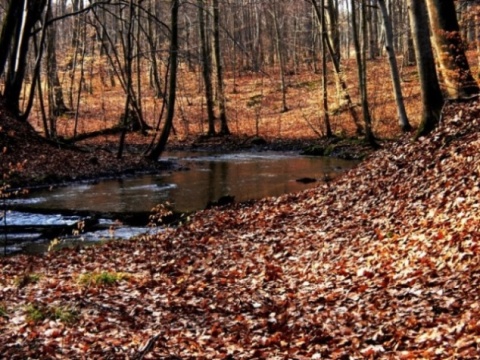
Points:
338	147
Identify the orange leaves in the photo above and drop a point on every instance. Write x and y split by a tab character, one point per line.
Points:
382	264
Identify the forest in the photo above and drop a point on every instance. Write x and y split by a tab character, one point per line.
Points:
377	260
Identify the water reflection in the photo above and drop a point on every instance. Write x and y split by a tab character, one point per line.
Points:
245	176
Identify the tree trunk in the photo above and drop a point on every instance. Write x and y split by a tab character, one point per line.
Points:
432	98
224	130
127	49
326	117
10	23
392	59
206	68
55	94
450	49
32	12
162	142
281	56
409	51
361	66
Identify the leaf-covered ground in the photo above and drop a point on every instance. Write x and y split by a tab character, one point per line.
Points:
31	160
381	263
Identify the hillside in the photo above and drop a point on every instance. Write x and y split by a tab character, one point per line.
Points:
382	263
26	159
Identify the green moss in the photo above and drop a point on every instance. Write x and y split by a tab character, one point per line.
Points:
35	313
64	314
102	278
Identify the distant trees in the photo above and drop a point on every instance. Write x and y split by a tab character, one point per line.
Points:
54	50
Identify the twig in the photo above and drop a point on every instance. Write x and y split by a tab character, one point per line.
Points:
148	347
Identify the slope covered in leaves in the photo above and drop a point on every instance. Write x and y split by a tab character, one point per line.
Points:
31	160
382	263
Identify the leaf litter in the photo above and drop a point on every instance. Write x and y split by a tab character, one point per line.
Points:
382	263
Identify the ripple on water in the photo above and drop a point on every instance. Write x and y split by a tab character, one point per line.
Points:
15	218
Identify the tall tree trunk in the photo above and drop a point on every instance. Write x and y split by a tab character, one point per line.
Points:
392	59
55	94
31	13
373	30
127	49
152	42
432	98
332	15
326	117
35	80
162	142
224	130
360	53
450	49
10	22
206	68
281	55
409	51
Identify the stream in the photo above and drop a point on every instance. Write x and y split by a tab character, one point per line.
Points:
88	212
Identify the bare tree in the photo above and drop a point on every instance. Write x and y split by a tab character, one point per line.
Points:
432	97
206	67
224	130
326	116
173	62
55	93
280	53
360	53
338	72
392	59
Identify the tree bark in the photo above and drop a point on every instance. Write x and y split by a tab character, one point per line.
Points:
326	117
10	22
450	49
392	59
361	66
432	98
206	68
224	130
55	94
281	55
31	13
162	142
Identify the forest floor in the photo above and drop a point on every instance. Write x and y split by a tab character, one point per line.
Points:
383	262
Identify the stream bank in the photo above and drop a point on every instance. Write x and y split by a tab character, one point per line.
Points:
201	180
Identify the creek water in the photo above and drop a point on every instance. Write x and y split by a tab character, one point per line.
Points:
203	178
